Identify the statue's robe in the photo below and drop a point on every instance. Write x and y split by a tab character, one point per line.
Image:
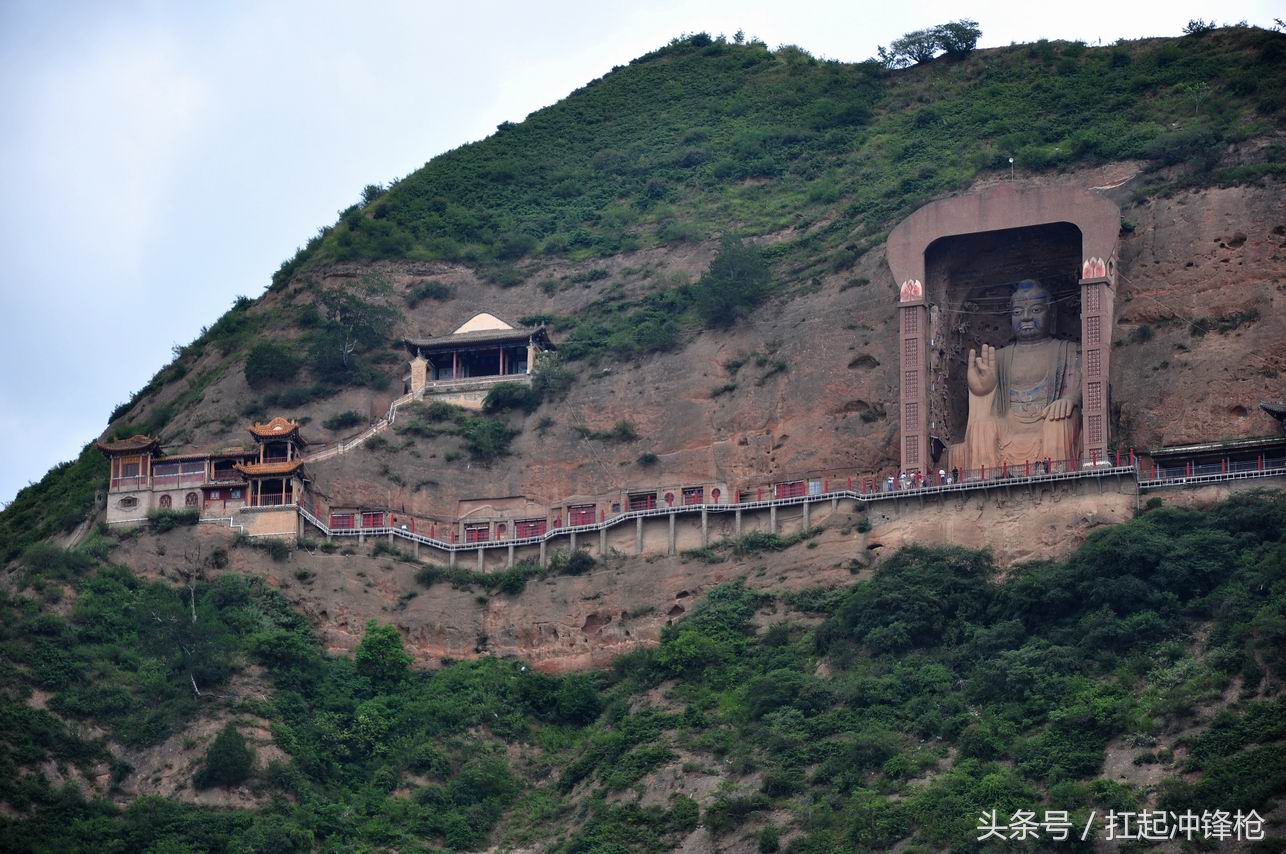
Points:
1006	426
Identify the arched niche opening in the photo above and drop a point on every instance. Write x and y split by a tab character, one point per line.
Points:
968	282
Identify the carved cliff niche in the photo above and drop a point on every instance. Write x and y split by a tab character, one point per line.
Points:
968	282
956	261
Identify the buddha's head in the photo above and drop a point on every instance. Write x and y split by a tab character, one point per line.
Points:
1031	311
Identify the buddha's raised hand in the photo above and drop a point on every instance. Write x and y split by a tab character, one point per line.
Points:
982	375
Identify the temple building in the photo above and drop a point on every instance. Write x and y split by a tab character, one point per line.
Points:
461	367
214	483
145	478
275	477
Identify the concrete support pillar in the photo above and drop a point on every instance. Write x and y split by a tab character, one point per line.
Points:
415	549
573	545
419	374
671	533
772	519
543	561
602	542
705	528
638	534
736	517
481	558
361	537
808	517
834	503
390	536
451	559
510	561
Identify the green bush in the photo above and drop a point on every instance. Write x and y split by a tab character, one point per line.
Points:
429	291
738	280
487	439
344	420
269	363
380	656
229	761
510	395
622	431
160	520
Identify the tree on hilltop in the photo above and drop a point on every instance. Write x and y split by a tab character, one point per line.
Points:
956	39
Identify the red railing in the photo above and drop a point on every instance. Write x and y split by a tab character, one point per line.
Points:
172	481
133	482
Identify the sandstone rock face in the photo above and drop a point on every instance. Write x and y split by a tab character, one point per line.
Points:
1192	260
564	623
816	391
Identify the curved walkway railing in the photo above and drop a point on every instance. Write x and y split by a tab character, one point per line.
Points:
347	445
768	503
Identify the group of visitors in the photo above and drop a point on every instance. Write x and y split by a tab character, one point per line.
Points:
915	479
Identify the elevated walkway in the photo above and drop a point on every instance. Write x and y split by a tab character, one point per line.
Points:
571	533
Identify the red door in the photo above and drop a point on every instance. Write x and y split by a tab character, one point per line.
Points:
530	528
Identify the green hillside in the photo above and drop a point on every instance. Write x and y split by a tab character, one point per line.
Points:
894	709
947	692
703	137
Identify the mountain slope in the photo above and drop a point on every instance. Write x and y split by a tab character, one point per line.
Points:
1143	672
815	719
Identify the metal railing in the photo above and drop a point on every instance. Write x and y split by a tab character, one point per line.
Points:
347	445
608	522
131	482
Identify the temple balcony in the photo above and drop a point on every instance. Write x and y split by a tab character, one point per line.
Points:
126	484
466	383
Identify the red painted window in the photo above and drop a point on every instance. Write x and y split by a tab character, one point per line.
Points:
694	495
642	501
793	489
478	532
530	528
373	519
580	514
342	521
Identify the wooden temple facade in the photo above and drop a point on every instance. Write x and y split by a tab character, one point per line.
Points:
213	483
461	367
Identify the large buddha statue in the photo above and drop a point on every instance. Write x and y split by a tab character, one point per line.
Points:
1024	399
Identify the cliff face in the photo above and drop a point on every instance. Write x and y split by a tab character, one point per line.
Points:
905	699
620	192
1201	332
1200	340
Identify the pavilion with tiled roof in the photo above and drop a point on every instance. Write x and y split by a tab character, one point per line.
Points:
482	347
277	476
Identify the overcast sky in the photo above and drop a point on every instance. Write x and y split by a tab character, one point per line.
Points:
158	159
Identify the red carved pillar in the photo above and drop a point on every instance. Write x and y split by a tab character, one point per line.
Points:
913	350
1098	307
